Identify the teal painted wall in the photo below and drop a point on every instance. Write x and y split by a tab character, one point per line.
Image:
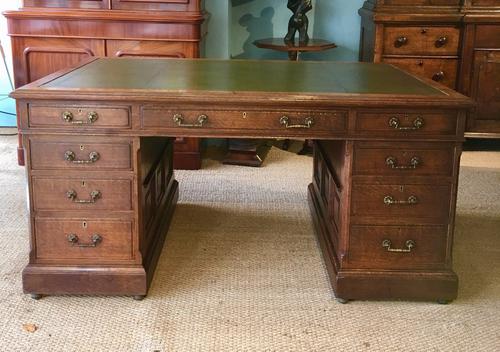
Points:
6	104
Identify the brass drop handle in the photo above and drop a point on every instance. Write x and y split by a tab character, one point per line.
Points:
410	244
392	162
73	196
438	76
389	200
94	241
400	41
70	156
178	119
442	41
285	121
418	123
92	117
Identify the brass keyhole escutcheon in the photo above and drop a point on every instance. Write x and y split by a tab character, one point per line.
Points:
401	189
82	148
84	224
245	115
83	184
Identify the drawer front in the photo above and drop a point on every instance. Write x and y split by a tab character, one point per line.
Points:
487	36
78	117
424	40
423	2
403	159
443	71
93	241
80	154
81	194
397	247
393	123
406	203
282	122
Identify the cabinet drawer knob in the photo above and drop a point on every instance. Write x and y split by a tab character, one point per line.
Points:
92	117
285	121
70	156
418	123
94	241
438	76
392	162
390	200
409	245
442	41
179	120
73	196
400	41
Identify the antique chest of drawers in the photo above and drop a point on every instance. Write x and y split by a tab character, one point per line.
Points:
102	188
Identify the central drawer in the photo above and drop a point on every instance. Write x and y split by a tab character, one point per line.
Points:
51	193
85	241
281	122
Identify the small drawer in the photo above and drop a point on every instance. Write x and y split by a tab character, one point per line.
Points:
394	123
83	153
283	122
78	117
425	40
403	159
397	247
93	241
422	2
401	203
81	194
443	71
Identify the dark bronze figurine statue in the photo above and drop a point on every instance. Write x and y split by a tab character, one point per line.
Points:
299	21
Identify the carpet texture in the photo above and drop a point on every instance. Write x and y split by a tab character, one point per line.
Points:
252	279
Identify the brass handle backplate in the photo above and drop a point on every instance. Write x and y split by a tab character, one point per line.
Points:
70	156
73	196
418	123
441	42
400	41
389	200
94	241
92	117
285	121
392	162
410	244
179	120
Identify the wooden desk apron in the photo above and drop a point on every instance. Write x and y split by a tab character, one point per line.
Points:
102	189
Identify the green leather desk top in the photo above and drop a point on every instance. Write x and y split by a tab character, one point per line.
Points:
243	76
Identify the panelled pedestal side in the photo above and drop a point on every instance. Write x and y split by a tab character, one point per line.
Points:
384	210
50	35
100	206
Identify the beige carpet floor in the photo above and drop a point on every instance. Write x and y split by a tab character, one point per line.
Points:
241	271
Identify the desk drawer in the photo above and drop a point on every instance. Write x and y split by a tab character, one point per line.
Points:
403	159
397	247
285	122
425	40
80	153
397	123
51	193
93	241
78	117
401	203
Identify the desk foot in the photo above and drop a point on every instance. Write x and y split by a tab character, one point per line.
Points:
443	301
342	301
36	296
139	297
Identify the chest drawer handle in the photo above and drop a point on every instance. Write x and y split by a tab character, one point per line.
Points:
94	241
71	157
418	123
92	117
73	196
392	162
285	121
389	200
408	244
178	119
438	76
400	41
442	41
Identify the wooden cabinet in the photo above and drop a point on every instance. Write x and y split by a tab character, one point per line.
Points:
454	42
50	35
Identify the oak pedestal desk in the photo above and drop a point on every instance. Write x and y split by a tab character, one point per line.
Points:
102	189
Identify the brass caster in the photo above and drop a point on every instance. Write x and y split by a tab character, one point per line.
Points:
36	296
443	301
139	297
342	301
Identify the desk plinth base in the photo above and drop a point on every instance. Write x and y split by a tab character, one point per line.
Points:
439	286
112	280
